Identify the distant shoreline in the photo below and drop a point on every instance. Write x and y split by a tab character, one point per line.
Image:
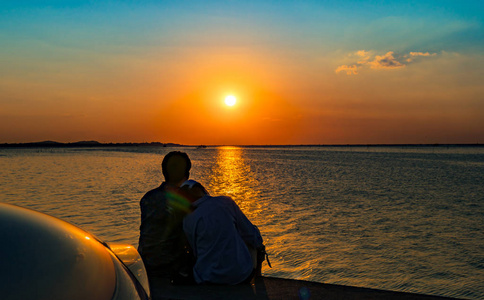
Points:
83	144
93	144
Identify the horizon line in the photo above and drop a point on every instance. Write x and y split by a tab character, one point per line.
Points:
49	143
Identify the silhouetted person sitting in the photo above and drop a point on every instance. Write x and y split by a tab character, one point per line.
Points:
220	236
162	241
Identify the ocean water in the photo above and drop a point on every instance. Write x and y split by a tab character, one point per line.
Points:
398	218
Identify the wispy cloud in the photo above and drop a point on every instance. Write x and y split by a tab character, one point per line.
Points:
413	55
363	55
350	70
389	60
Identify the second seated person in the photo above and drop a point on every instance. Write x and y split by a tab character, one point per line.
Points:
224	242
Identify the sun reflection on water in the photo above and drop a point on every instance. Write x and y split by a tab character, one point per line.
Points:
231	176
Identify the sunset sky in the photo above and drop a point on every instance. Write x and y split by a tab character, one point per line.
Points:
302	72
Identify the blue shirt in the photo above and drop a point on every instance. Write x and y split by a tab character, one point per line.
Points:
218	232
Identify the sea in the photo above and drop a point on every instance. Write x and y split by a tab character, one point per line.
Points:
401	218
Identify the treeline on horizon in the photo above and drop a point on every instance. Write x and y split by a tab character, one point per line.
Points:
53	144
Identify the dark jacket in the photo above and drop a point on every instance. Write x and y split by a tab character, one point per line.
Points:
162	241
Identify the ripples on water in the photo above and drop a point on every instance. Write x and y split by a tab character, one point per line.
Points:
407	219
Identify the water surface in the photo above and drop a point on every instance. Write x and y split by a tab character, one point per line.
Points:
399	218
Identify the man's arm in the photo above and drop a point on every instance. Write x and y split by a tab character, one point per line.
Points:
252	237
248	231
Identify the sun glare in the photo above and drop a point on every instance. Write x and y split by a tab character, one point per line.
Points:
230	100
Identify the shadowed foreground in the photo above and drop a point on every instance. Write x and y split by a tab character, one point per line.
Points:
275	288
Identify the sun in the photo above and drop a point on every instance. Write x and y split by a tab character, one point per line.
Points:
230	100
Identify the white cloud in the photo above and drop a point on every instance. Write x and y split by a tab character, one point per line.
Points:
350	70
389	60
364	56
421	54
412	55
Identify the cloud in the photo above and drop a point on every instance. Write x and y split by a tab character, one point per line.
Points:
350	70
389	60
364	55
413	55
421	54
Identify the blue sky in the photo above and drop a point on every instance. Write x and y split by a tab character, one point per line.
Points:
449	24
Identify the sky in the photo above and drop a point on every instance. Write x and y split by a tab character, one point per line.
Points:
302	72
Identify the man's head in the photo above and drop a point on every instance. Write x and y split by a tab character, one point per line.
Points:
193	190
176	167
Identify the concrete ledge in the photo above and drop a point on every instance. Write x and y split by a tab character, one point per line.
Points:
270	288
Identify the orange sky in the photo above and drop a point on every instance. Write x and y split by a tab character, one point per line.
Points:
318	82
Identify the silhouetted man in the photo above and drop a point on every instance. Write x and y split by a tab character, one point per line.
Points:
162	241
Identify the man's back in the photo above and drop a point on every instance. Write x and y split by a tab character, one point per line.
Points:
162	240
218	232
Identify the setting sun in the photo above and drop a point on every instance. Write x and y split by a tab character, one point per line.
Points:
230	100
